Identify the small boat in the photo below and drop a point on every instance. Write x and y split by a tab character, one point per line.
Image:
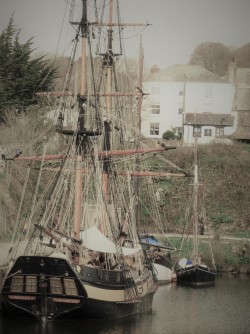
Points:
193	271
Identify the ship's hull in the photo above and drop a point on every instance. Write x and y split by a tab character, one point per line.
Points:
49	288
163	266
196	275
164	274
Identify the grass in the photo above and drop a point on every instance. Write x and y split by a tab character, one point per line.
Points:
232	255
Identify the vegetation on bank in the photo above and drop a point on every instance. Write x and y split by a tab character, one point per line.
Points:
224	184
229	255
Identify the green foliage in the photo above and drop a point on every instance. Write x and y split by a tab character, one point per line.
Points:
21	75
168	135
223	219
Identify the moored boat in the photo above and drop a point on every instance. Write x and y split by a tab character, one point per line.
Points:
193	271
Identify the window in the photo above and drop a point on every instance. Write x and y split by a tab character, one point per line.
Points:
17	284
31	284
181	91
70	287
155	108
154	129
55	285
219	132
197	131
180	111
155	90
208	133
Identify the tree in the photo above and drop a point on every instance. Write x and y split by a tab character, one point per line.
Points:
215	57
21	75
242	56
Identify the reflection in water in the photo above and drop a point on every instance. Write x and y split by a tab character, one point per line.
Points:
135	325
223	309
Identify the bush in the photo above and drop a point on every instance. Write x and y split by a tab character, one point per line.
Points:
168	135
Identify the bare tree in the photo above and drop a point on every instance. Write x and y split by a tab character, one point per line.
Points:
215	57
242	56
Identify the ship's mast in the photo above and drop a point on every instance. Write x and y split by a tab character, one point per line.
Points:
108	62
195	202
81	123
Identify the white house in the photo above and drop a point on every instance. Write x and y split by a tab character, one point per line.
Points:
178	92
240	77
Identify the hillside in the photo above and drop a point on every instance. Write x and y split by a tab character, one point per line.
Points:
225	175
225	179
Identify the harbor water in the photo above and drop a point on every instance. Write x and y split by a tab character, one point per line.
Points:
222	309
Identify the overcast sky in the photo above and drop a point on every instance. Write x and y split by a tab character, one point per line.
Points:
178	26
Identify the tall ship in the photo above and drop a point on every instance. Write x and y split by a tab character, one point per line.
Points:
82	256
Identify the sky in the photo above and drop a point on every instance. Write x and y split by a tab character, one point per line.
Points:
177	26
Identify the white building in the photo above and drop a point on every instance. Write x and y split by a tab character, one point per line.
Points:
180	91
240	77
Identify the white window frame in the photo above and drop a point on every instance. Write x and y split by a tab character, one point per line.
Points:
154	129
208	132
155	108
196	131
219	131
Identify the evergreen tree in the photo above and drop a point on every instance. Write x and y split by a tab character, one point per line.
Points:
21	75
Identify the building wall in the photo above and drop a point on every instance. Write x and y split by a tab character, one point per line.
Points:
175	97
189	139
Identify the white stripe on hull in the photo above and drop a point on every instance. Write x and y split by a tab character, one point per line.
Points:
164	274
109	295
121	295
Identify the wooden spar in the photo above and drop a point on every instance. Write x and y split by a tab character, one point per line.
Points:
138	121
83	82
142	173
131	24
58	94
117	94
163	247
140	85
115	24
109	65
131	173
131	152
78	197
195	202
81	100
52	236
108	61
38	158
54	94
101	154
68	237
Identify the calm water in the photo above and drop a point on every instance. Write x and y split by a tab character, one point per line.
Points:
223	309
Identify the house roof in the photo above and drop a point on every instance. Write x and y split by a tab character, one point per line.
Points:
209	119
194	73
243	128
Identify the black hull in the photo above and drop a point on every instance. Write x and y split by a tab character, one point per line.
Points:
196	275
48	288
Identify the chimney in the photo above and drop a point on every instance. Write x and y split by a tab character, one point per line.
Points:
232	71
